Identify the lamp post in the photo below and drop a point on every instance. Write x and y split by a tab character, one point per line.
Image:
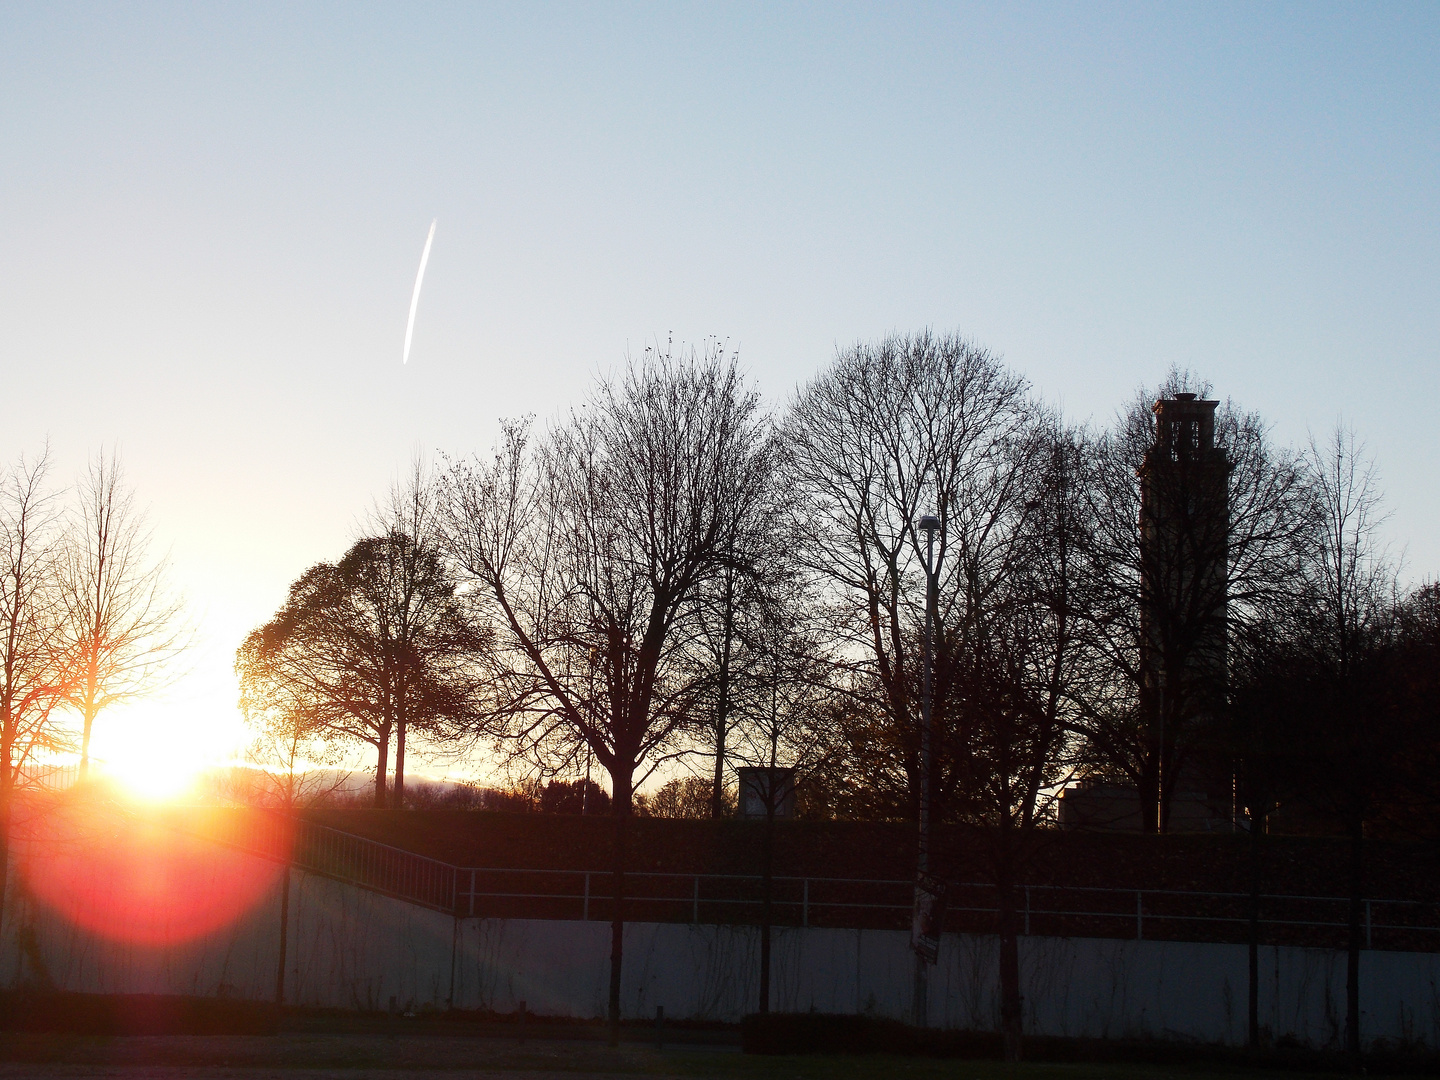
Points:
929	525
1160	752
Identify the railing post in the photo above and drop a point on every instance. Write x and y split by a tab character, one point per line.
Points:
805	902
1139	916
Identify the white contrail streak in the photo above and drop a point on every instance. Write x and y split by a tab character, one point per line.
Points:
415	299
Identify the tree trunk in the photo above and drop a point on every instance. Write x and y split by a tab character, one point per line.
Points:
620	807
382	765
1352	959
397	797
722	706
717	792
7	791
767	878
284	933
1253	938
89	714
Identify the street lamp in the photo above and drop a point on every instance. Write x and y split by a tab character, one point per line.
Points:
929	525
1160	752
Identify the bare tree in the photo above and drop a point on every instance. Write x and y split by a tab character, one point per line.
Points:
783	723
905	427
431	629
123	626
1326	709
1351	597
1259	731
587	550
754	589
1014	669
32	668
927	425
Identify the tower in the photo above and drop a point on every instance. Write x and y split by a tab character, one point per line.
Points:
1184	546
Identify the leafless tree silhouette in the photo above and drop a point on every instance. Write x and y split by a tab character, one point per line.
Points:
123	625
587	549
1349	755
32	619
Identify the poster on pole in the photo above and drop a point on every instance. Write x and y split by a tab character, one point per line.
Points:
929	914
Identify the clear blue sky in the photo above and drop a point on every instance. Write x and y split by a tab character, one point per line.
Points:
211	217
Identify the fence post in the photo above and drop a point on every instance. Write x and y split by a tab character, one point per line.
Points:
1139	916
586	912
695	915
805	902
1027	910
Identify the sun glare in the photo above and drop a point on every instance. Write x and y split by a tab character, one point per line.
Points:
153	779
152	758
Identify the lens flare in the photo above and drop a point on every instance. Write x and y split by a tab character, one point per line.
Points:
148	876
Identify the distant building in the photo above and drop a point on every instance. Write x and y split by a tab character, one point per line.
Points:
1096	806
1184	538
760	786
1184	549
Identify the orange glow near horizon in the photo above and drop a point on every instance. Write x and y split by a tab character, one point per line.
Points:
155	751
150	780
135	877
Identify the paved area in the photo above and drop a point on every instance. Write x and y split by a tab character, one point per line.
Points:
405	1057
352	1057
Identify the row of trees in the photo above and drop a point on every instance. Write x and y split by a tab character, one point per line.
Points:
86	620
672	572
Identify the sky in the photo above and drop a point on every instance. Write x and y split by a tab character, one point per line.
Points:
211	218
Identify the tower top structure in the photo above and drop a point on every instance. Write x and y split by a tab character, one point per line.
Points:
1184	430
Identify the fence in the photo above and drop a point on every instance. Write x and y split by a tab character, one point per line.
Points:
1052	910
651	896
356	860
45	777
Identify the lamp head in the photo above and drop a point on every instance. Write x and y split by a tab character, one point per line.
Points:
929	524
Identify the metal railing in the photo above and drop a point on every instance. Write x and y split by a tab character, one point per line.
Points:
1059	910
332	853
659	896
52	778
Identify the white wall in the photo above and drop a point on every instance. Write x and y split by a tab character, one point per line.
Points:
354	949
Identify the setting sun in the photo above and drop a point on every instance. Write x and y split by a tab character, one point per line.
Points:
156	754
151	778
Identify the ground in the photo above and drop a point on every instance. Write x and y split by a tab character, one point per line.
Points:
381	1057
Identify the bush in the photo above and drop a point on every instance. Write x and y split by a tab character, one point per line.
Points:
838	1033
134	1014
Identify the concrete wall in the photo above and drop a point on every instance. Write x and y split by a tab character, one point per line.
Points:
354	949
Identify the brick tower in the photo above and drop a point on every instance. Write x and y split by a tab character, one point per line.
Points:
1184	540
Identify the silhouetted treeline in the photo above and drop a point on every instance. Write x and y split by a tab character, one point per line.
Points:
673	570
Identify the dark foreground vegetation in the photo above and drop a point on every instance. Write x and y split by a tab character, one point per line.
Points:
821	1033
119	1031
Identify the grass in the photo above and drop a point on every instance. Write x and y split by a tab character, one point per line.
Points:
321	1056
